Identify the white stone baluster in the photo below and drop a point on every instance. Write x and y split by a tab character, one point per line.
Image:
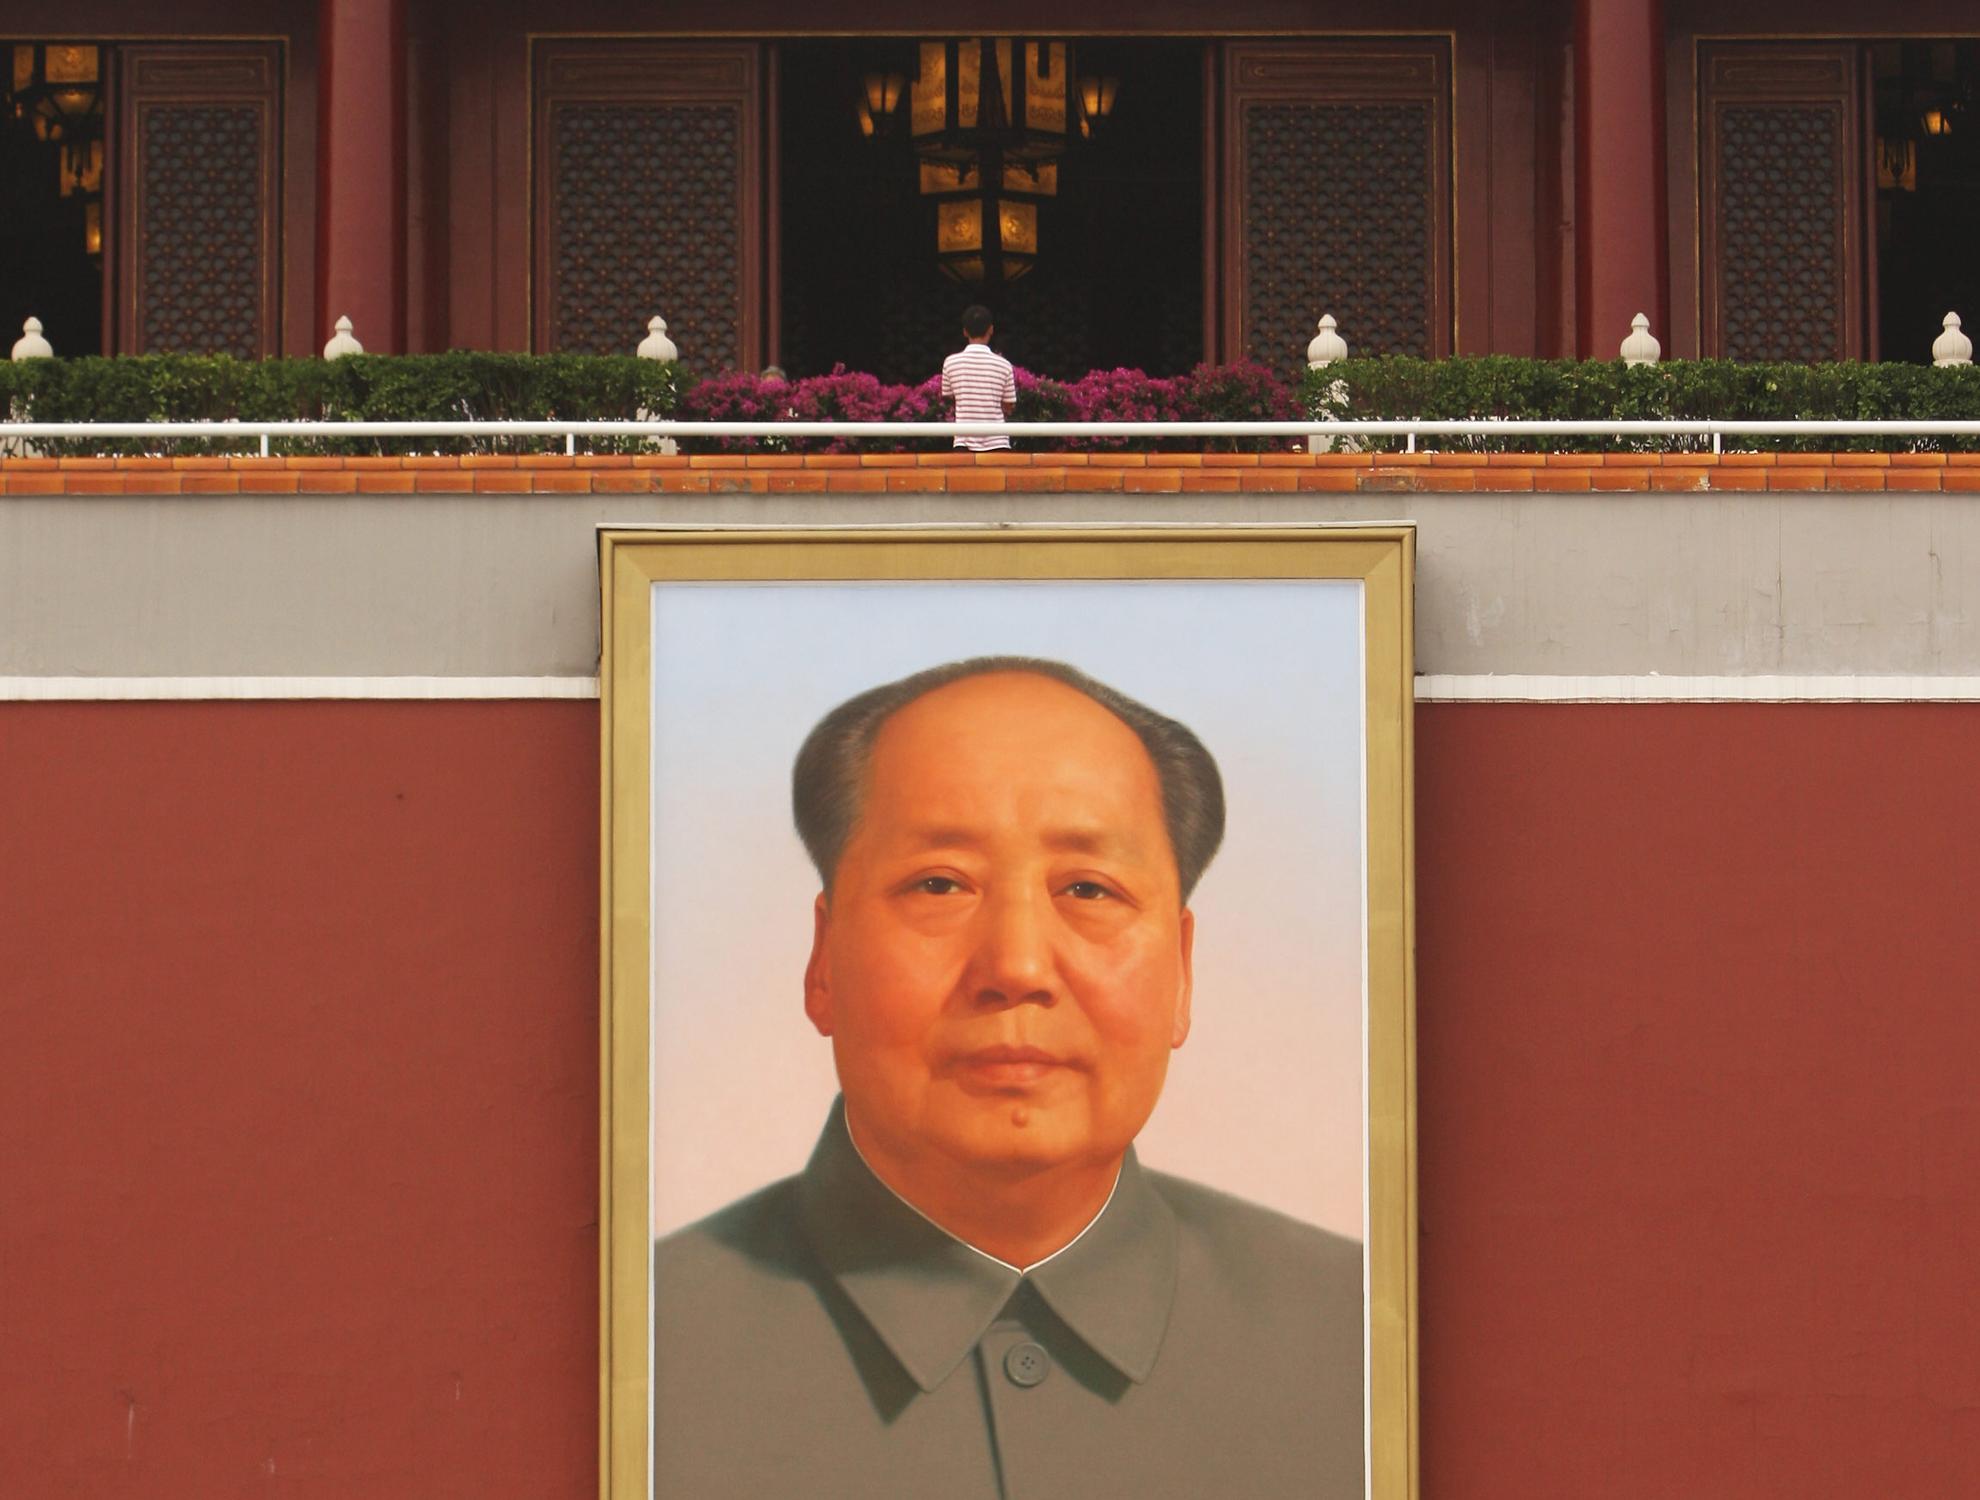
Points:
1327	346
656	344
1641	348
342	342
1952	347
31	345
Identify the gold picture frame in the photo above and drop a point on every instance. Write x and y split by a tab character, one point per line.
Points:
632	562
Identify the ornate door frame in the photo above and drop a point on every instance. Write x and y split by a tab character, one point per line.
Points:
651	138
198	193
1301	230
1782	229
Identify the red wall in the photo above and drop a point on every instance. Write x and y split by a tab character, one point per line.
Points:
298	1111
1700	1134
298	1155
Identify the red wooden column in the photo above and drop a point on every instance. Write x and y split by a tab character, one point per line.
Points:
1621	230
360	201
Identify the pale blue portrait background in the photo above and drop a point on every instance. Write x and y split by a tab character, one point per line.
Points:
1264	1100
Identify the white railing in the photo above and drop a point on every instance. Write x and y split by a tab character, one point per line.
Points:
1407	429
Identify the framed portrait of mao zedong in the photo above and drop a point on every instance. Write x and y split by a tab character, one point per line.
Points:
1008	1082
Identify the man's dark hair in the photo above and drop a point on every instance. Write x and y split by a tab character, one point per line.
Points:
976	320
828	779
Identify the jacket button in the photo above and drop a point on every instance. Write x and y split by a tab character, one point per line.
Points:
1027	1364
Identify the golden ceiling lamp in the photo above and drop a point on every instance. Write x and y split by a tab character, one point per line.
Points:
1897	165
80	168
976	235
58	84
879	105
977	93
990	111
1038	179
1097	92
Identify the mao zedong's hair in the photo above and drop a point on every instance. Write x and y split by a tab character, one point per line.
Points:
829	776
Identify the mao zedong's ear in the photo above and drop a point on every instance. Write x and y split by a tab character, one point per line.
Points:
818	970
1188	939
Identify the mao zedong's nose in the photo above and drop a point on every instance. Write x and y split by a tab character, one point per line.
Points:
1011	960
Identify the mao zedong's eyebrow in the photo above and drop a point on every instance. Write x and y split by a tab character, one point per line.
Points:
1069	840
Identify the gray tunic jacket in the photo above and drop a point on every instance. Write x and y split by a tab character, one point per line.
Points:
821	1339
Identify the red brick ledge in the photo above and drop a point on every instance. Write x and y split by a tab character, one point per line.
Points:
977	473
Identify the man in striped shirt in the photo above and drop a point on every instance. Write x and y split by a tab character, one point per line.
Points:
977	381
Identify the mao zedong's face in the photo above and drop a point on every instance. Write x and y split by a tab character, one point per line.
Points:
1002	961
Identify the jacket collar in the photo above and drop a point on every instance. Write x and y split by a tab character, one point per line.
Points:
930	1297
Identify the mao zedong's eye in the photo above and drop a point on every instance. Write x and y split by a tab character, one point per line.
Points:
936	885
1088	890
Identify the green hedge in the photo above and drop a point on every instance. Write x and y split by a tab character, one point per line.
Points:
415	387
1506	388
445	387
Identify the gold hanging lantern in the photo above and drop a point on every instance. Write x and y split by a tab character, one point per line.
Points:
879	103
990	113
1096	101
1897	165
58	93
60	83
974	233
1035	179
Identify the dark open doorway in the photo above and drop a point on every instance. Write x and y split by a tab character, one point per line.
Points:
51	192
1118	279
1928	191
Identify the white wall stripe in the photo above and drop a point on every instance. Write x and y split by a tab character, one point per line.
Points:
1433	688
1454	688
98	689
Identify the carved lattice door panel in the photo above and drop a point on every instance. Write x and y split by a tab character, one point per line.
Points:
199	212
1337	196
1780	200
650	199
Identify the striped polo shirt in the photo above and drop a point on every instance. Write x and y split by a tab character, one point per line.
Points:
979	380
